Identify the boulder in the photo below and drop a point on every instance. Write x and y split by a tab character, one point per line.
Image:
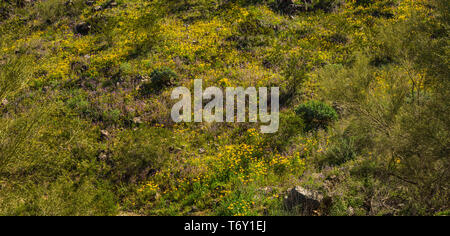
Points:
104	134
82	28
110	4
103	156
309	202
4	102
137	120
98	8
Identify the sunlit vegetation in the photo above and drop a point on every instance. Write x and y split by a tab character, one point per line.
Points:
85	125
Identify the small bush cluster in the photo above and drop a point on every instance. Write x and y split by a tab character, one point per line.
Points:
316	114
159	79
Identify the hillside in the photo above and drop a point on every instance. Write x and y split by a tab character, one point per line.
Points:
85	107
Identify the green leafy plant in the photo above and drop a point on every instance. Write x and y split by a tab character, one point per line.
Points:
316	114
159	79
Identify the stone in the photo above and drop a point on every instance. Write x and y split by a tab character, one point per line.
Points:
103	156
137	120
82	28
104	134
98	8
309	201
350	211
111	4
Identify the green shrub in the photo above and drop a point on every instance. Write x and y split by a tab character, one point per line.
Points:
112	116
159	79
79	103
136	154
325	5
51	11
294	6
316	114
340	152
290	126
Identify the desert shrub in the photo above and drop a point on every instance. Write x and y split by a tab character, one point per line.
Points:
50	11
290	126
408	146
79	103
325	5
111	116
294	6
338	37
341	151
256	24
159	79
364	2
238	204
4	10
148	22
163	77
316	114
294	70
15	3
137	154
256	29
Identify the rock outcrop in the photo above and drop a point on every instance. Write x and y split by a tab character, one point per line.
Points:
82	28
308	202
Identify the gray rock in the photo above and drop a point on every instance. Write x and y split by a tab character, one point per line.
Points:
104	134
309	201
350	211
98	8
82	28
102	157
137	120
110	4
